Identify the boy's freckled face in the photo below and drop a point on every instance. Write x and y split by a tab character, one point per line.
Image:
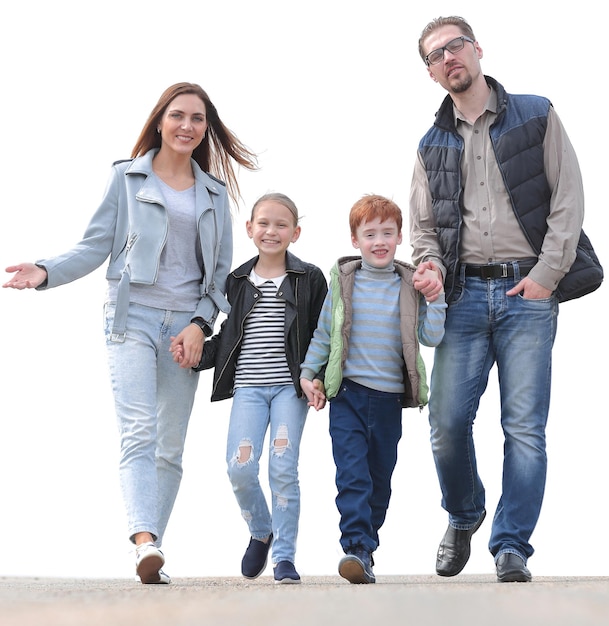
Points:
377	241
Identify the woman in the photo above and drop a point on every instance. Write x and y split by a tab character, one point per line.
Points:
165	223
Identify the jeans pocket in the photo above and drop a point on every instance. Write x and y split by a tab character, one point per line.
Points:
457	294
342	390
540	301
109	309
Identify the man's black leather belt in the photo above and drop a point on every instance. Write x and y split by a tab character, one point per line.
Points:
498	270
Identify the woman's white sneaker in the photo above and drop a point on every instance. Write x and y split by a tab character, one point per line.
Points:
163	578
148	563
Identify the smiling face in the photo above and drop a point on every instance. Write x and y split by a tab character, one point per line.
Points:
273	228
377	241
455	72
183	124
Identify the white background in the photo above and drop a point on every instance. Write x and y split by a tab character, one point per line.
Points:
334	97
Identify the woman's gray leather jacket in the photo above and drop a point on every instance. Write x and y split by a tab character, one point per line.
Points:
130	227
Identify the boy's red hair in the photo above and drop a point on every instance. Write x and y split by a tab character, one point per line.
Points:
370	207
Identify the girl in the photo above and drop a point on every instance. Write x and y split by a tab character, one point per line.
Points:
275	301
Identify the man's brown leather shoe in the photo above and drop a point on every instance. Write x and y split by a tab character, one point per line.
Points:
455	549
511	569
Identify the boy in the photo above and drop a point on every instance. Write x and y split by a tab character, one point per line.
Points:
366	349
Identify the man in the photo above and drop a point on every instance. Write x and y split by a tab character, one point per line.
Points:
497	204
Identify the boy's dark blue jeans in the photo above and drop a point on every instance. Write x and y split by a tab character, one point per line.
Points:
365	426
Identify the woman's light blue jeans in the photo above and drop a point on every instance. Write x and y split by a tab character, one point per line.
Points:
486	327
254	410
153	398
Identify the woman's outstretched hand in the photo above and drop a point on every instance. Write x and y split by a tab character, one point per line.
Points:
27	276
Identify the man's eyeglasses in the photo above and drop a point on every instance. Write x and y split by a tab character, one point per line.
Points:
453	46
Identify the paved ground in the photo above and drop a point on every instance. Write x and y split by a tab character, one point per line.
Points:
319	601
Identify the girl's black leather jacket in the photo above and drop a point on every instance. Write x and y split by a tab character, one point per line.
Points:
304	290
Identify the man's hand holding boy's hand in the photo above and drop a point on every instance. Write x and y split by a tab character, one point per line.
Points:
428	280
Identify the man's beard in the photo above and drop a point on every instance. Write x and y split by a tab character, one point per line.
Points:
462	85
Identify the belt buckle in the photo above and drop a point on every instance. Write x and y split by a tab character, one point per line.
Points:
489	272
486	272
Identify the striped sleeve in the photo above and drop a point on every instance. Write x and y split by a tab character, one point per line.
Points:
432	316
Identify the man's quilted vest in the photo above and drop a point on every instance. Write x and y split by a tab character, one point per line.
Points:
517	137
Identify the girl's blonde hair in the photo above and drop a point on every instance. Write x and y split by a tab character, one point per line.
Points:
280	198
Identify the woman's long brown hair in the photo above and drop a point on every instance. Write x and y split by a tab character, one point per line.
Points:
218	147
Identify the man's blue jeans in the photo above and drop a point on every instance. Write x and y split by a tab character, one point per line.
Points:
486	327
